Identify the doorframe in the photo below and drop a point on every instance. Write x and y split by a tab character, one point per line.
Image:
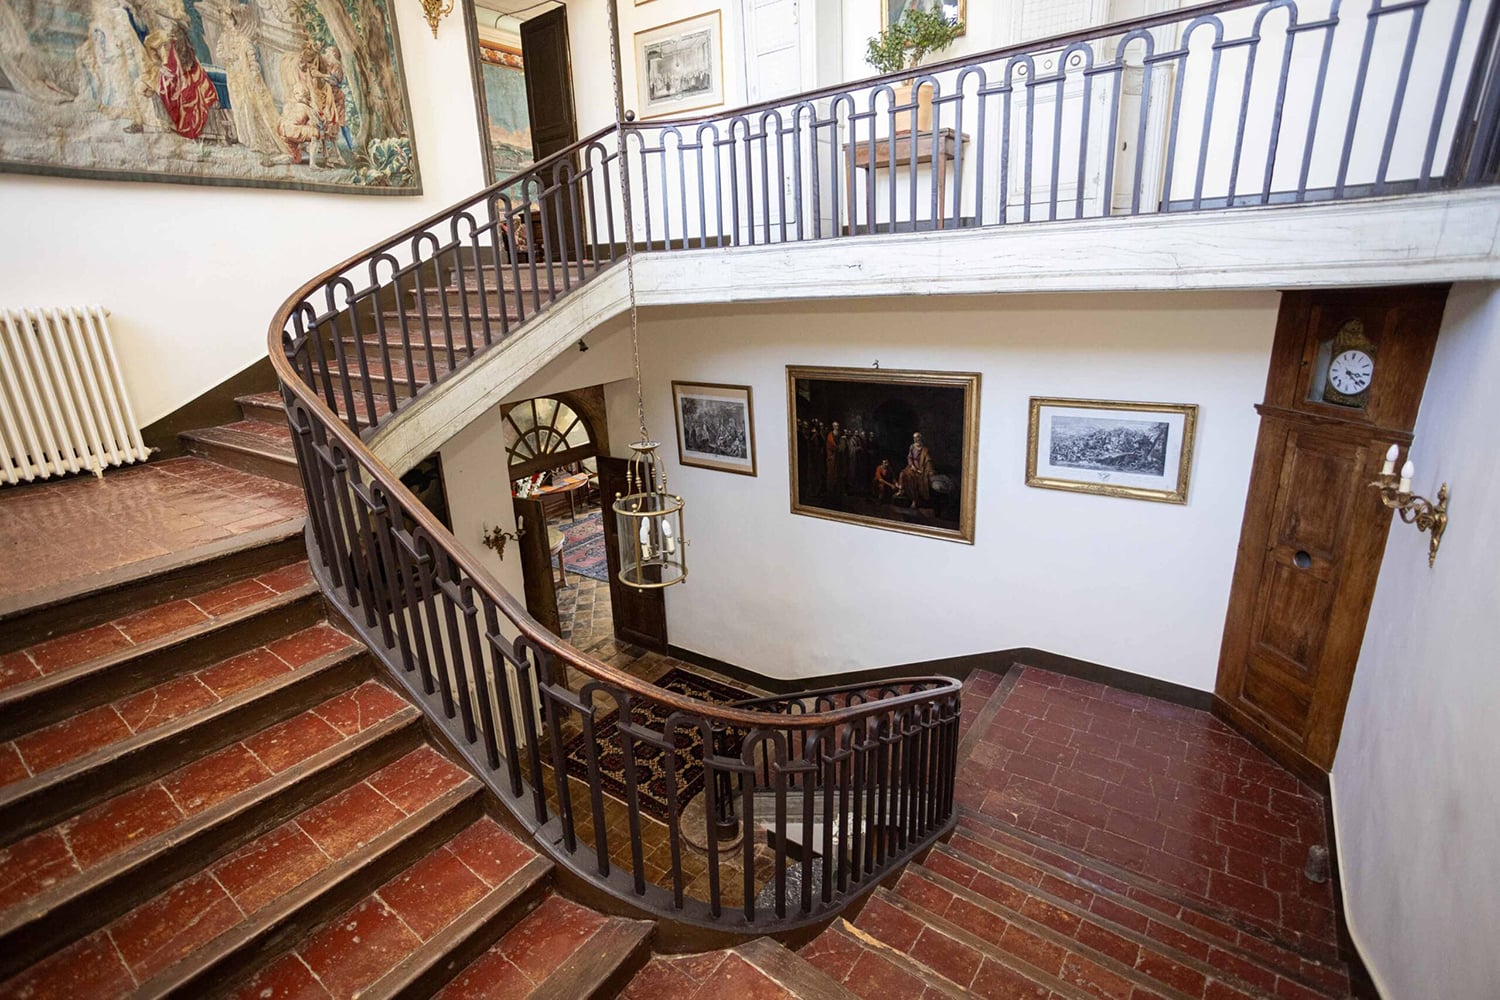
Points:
476	84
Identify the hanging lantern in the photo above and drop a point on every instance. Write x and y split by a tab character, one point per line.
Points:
649	524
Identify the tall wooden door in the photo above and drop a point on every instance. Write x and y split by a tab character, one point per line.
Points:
640	615
536	563
1346	379
554	125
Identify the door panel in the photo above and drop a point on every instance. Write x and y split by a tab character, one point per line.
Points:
640	615
536	564
773	49
554	123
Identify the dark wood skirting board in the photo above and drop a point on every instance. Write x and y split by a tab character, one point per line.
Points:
214	407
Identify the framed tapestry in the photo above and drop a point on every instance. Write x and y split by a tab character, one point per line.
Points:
897	450
1143	451
679	67
247	93
507	120
715	426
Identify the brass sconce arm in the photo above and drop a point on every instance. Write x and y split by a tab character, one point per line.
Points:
435	11
495	538
1412	509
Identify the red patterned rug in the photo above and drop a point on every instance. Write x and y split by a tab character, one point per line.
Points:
583	551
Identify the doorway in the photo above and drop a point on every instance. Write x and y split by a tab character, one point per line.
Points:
523	83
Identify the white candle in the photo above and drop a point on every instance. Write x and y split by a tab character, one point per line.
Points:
1407	471
1390	460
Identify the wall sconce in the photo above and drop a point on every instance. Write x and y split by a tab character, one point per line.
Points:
1397	495
495	539
436	10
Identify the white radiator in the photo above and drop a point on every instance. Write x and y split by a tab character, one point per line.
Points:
63	406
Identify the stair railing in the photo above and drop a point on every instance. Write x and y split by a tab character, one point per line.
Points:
798	804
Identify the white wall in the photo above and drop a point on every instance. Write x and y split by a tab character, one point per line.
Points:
1416	801
192	275
1136	585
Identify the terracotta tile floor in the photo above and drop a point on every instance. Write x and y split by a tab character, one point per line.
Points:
75	648
58	535
584	610
1159	789
708	976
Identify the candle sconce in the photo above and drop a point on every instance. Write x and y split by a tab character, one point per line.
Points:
1397	495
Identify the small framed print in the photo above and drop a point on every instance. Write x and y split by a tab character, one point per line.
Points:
715	426
1143	451
679	67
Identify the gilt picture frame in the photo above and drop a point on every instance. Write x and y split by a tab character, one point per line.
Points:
889	449
715	426
679	66
1137	451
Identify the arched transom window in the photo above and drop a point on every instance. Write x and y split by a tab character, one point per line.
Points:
545	431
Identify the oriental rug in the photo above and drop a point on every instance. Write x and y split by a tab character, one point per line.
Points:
650	762
583	551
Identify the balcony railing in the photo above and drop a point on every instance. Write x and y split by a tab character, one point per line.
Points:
1223	105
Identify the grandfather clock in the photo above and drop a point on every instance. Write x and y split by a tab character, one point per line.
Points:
1347	373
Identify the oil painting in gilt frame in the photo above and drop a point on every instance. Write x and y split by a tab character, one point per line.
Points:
679	67
1142	451
897	450
715	426
301	94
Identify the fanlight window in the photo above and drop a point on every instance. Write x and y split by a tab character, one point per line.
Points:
539	428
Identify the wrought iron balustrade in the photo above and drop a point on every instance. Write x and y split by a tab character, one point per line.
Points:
1221	105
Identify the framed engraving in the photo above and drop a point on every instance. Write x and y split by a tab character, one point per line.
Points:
715	426
1143	451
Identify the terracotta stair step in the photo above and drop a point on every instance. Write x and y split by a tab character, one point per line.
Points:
419	372
397	352
760	968
234	911
410	936
133	740
1091	952
73	877
1120	901
260	407
519	275
869	968
560	950
1310	958
265	406
255	446
67	676
198	569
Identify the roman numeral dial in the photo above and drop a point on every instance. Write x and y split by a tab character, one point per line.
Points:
1350	372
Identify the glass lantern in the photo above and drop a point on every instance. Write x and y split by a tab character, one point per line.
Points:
649	524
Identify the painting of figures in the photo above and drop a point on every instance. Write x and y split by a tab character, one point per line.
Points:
680	66
1139	450
889	449
305	94
715	426
507	118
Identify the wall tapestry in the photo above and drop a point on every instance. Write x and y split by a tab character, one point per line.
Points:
715	426
1139	450
679	67
507	119
304	94
889	449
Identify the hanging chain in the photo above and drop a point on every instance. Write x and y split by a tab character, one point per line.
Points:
635	336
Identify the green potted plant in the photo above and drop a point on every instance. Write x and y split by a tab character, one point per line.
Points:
902	46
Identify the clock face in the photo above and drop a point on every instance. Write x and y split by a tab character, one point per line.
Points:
1350	372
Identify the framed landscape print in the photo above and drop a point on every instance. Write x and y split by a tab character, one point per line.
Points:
252	93
888	449
715	426
1143	451
679	67
507	120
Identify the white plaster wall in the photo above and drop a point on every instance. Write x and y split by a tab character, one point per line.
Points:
1415	798
191	274
1136	585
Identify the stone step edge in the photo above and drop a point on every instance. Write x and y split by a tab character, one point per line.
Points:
969	820
243	442
46	798
280	925
791	971
44	700
601	964
471	934
868	942
87	901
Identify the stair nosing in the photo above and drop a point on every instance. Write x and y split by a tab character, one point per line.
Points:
628	938
52	780
81	890
866	941
1125	875
762	952
243	442
517	896
186	973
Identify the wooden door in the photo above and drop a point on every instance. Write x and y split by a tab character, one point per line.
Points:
536	563
773	48
640	615
554	127
1314	532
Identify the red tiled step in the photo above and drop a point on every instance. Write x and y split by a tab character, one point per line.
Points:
560	950
419	928
1310	960
258	447
211	920
75	875
65	677
105	751
518	274
759	970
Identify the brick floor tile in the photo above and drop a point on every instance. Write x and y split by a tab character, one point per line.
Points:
353	817
164	619
123	821
433	892
71	738
210	780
